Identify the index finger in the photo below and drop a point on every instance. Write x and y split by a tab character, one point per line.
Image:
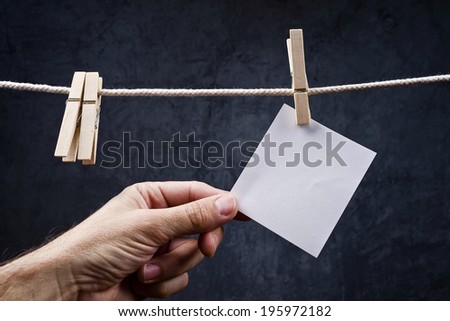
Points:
168	194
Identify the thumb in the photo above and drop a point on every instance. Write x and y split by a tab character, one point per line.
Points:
196	217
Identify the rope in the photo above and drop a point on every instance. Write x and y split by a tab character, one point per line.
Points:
379	84
199	92
155	92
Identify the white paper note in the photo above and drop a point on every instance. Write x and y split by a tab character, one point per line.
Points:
299	182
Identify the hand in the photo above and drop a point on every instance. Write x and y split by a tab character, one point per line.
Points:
129	249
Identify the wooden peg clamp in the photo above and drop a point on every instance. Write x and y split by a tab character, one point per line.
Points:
298	72
89	119
97	123
67	144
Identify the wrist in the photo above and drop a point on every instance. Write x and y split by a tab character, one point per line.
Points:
37	276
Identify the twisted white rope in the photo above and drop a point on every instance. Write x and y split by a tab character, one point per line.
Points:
379	84
199	92
156	92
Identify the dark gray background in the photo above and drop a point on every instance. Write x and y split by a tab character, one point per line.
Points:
393	240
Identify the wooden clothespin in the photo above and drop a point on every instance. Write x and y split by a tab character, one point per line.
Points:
97	123
298	72
90	116
67	144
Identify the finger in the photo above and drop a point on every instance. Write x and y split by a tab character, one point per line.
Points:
209	242
177	261
162	289
168	194
192	218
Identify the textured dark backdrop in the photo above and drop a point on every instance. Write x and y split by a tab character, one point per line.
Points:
393	240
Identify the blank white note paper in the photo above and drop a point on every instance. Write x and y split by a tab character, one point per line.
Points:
300	179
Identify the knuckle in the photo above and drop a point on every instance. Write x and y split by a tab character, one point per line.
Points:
196	186
129	189
161	226
137	186
185	280
199	184
142	187
134	188
197	214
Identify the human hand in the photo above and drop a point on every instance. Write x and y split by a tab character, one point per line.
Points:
131	248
